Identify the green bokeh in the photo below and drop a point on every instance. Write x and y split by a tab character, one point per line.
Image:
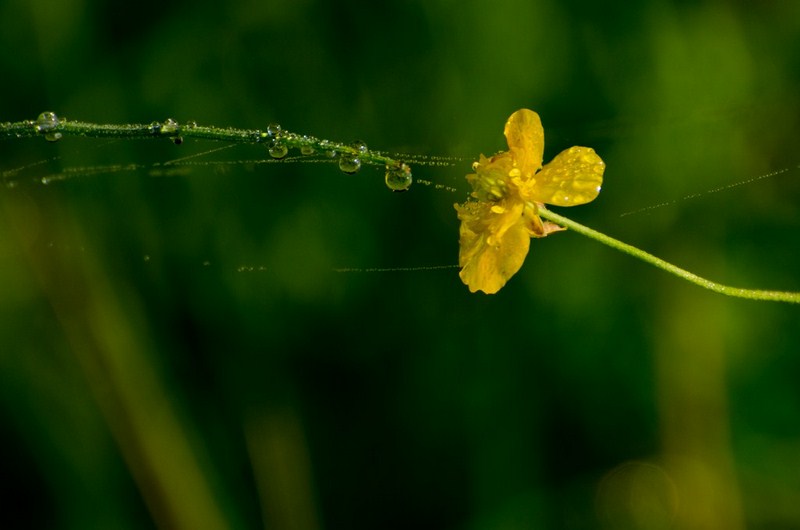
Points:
202	313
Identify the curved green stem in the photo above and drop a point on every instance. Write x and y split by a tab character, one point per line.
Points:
752	294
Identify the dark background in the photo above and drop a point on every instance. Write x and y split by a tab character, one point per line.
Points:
178	351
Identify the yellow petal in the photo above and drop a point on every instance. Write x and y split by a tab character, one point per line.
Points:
492	246
573	177
492	266
525	138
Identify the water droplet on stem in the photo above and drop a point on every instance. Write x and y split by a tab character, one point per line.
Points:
169	126
46	124
398	177
273	130
350	163
359	146
277	150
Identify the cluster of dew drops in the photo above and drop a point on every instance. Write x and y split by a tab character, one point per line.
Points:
46	124
398	174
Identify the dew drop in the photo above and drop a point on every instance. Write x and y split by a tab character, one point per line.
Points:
277	150
155	128
398	177
169	126
307	145
46	124
359	146
46	121
349	163
273	130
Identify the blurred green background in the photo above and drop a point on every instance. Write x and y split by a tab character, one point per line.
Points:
179	351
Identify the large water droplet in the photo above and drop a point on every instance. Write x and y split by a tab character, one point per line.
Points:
277	149
398	177
349	163
46	123
273	130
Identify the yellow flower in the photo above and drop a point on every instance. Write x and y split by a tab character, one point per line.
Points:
508	188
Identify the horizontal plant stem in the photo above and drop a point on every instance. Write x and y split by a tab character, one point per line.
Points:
52	128
752	294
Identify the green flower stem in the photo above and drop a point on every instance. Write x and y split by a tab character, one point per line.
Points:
52	128
751	294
